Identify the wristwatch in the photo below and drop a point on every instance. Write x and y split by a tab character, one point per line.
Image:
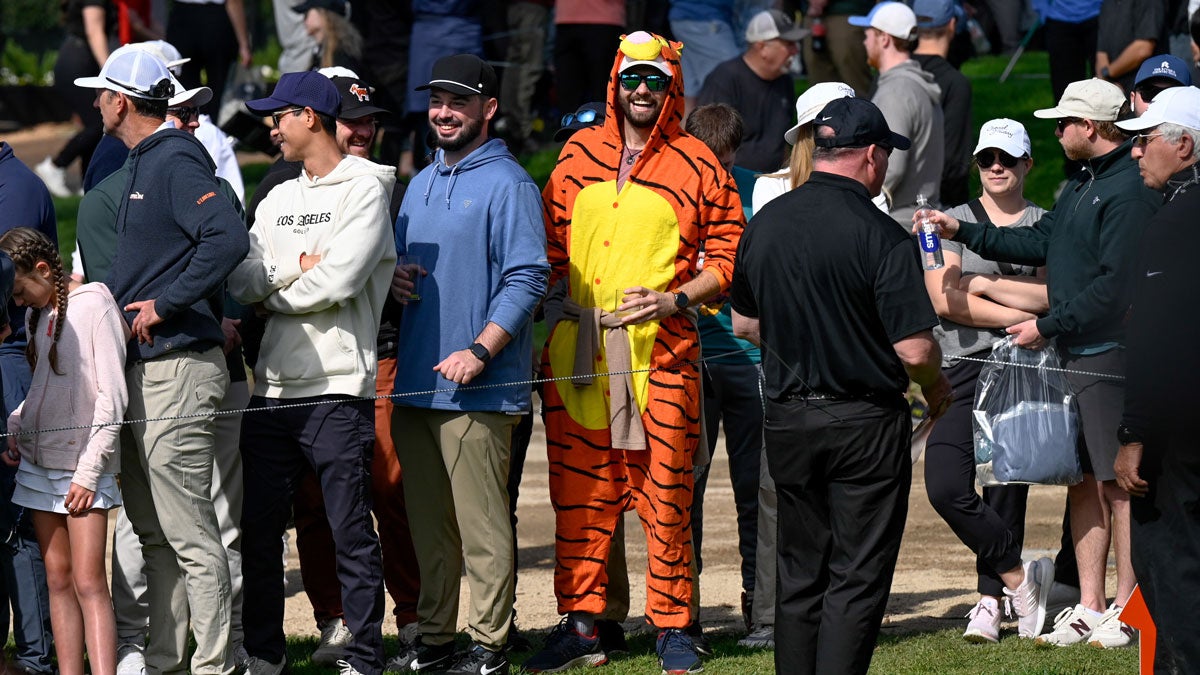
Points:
681	301
1125	435
480	352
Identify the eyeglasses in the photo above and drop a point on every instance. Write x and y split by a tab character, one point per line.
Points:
1142	140
1064	122
185	114
276	116
986	158
654	82
583	116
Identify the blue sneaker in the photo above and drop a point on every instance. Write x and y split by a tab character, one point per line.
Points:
677	654
566	648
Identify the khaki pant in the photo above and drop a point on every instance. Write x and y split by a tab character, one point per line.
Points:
166	481
455	488
844	58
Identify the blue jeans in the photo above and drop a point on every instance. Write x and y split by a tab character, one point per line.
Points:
22	572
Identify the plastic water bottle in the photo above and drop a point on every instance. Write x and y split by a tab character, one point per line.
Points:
931	243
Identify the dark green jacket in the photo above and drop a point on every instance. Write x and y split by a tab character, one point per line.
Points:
1089	244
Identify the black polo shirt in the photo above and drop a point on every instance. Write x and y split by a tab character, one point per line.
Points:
834	283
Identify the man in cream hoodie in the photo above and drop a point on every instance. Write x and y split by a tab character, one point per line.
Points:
911	104
320	262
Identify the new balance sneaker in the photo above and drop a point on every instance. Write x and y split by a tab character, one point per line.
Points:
55	178
257	666
344	668
1112	632
612	636
696	633
985	622
421	657
762	637
1072	625
480	661
335	637
566	648
1029	599
130	659
677	653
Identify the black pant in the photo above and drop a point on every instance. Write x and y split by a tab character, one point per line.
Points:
1072	51
992	527
337	439
842	471
75	60
1165	539
203	34
583	58
732	395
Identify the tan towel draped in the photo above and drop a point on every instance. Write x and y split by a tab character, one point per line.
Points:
624	417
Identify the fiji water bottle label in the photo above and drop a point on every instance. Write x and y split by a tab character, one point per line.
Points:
930	242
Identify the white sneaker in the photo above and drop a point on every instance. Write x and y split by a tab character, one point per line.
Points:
1112	632
54	177
1029	599
335	637
344	668
985	622
130	660
257	666
762	637
1072	626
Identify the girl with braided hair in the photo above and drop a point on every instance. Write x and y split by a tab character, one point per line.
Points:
67	473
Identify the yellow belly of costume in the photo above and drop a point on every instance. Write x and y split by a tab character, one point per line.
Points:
617	241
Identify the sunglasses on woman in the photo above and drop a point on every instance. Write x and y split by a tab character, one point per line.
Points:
583	117
986	158
654	82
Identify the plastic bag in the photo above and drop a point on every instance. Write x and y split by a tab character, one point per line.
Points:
1025	420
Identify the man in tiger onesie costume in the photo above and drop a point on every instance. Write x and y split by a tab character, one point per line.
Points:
629	208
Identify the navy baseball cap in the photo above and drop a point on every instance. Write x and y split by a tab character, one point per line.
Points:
936	13
856	123
1164	66
309	89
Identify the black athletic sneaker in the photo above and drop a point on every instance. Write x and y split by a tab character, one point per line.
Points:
422	658
566	648
612	636
696	633
480	661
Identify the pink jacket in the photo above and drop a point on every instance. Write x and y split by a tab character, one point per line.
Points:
91	355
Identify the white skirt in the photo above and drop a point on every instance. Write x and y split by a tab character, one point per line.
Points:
45	489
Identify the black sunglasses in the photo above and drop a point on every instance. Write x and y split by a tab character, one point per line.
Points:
1063	122
986	158
185	114
276	116
583	117
654	82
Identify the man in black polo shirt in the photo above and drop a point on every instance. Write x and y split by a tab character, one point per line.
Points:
836	300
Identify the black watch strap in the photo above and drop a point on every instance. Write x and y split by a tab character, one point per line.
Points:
682	300
1125	435
480	352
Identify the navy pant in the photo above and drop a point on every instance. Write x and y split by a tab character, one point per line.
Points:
842	471
336	439
22	572
732	396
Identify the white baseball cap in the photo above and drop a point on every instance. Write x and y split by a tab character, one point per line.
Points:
132	71
189	97
1004	134
894	18
812	101
1177	105
165	51
1093	99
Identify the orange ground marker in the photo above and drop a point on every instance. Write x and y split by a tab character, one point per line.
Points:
1137	614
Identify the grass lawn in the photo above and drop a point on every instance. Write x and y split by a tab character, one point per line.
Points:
939	652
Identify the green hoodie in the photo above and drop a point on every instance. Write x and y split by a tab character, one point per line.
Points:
1089	244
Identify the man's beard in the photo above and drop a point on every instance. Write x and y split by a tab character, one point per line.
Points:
467	134
627	109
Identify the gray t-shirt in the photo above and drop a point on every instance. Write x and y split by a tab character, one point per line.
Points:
957	339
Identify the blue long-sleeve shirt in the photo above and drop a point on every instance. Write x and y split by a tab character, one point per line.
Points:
477	228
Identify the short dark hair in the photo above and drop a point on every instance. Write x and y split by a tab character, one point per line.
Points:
718	125
1109	131
150	107
328	122
903	44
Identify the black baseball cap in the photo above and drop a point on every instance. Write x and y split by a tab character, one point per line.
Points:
593	112
336	6
856	123
356	98
464	74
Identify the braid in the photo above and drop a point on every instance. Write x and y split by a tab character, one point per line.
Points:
27	247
